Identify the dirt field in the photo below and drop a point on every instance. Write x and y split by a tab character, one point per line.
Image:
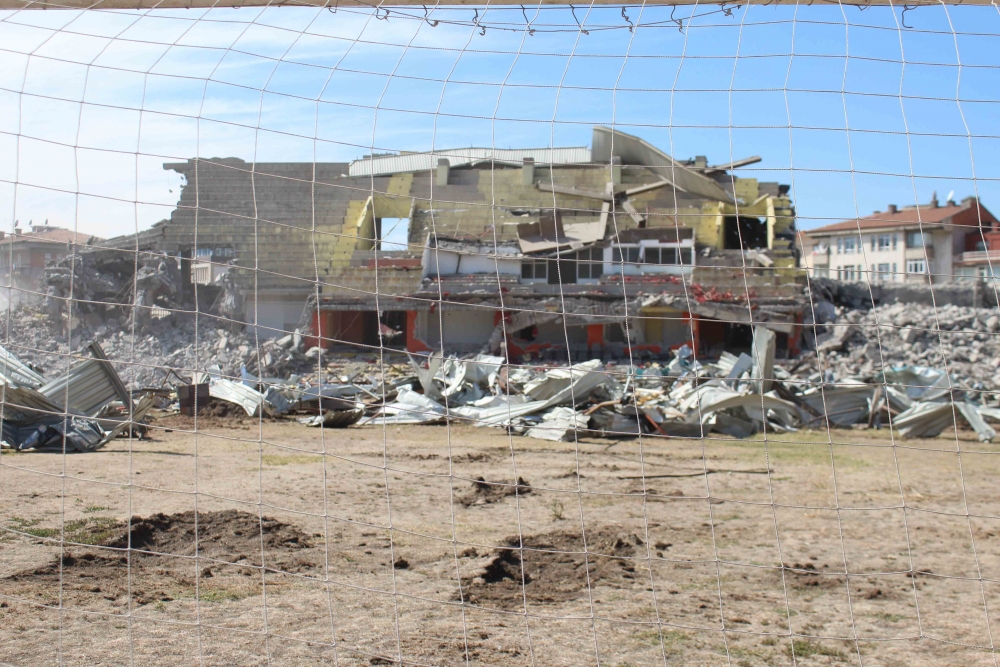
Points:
463	546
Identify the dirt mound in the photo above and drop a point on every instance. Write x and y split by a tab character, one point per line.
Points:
228	535
484	493
161	563
808	576
554	567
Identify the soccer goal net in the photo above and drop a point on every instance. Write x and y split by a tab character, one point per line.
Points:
445	334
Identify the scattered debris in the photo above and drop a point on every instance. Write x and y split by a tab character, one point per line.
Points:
919	369
486	493
82	409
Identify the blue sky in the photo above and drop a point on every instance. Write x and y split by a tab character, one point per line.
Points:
853	109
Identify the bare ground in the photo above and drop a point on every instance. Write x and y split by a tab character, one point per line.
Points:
253	544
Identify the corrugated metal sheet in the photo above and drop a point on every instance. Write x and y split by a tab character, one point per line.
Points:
15	371
249	399
394	164
92	384
26	405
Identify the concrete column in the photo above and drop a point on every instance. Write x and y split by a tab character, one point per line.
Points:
595	338
441	177
616	170
413	341
527	171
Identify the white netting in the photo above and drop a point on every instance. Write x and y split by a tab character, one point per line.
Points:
499	335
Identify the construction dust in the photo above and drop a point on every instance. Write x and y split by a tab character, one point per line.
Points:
554	567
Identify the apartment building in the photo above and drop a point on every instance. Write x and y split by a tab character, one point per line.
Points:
925	243
24	254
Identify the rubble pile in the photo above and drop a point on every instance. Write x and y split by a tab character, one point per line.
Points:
919	369
736	396
165	344
964	341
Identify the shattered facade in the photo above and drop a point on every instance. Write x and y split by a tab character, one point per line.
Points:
569	234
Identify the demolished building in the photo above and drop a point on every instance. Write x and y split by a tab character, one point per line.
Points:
601	251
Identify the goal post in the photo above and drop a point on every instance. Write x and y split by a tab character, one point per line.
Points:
350	333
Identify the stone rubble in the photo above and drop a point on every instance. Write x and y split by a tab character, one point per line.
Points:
963	341
860	367
168	344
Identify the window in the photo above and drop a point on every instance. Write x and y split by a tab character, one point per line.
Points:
893	241
882	272
821	272
893	266
534	269
590	264
849	245
840	245
917	240
916	266
667	256
884	242
394	233
660	256
630	253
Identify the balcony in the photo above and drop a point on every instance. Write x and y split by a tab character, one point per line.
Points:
978	257
919	253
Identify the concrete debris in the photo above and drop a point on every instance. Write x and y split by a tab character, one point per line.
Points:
949	337
735	395
917	369
152	356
